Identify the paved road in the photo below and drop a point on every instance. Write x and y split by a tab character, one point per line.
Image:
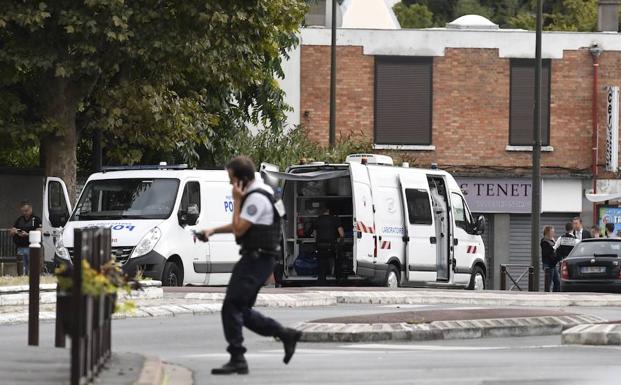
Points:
197	342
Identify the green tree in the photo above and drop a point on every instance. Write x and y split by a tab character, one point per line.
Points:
574	15
413	16
471	7
523	20
160	75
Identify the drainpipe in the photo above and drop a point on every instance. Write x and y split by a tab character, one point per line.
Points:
595	51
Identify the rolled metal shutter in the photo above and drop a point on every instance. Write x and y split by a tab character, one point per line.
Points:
519	240
403	100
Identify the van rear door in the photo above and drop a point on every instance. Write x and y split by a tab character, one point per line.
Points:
56	211
420	234
364	221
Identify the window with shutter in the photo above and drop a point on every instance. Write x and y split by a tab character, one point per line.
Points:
403	100
522	105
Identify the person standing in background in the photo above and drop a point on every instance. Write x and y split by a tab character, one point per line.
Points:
566	242
610	231
26	223
595	232
549	260
578	231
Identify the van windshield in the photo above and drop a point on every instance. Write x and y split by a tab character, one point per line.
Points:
127	199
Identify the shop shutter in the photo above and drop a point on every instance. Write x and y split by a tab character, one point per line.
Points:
522	109
519	240
403	100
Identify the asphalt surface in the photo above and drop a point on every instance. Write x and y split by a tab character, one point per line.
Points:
197	342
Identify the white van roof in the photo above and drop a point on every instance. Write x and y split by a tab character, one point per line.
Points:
214	175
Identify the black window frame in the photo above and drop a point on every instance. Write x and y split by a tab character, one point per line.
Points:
412	218
468	224
547	63
411	139
185	196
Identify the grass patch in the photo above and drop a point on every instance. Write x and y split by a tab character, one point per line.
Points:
23	280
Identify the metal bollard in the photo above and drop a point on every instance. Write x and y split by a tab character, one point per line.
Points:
34	279
503	277
531	278
547	279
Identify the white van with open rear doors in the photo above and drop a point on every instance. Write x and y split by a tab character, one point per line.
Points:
151	211
403	226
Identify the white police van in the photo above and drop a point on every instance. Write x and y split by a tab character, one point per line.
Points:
151	211
403	226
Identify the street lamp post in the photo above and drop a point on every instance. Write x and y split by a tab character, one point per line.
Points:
333	79
536	181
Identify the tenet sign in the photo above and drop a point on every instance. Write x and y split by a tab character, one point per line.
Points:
490	195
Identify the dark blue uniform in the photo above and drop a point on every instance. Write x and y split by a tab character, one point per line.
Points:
259	247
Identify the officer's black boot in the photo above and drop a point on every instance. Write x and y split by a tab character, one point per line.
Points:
237	364
290	338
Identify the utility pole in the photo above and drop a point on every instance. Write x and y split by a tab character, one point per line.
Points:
536	182
333	79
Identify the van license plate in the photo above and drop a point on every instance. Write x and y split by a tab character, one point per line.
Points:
593	269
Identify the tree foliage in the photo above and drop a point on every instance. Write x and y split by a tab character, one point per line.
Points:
559	15
161	76
413	16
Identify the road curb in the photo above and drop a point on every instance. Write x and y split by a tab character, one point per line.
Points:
20	298
475	298
177	375
441	330
139	312
603	334
152	372
275	300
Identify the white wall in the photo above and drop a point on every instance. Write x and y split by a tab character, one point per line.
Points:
561	196
433	42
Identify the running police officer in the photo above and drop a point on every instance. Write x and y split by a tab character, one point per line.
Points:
566	242
256	225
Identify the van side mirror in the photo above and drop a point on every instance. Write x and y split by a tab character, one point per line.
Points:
58	217
479	227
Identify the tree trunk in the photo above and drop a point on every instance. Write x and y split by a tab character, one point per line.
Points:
58	150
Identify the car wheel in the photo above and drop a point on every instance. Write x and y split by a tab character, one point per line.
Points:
392	277
172	275
477	279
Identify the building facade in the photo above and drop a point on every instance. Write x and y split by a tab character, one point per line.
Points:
462	98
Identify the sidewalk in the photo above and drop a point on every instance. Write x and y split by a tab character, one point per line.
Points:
51	366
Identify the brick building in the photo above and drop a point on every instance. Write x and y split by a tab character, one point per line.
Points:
462	97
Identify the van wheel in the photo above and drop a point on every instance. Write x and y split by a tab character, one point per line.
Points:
392	277
477	279
172	275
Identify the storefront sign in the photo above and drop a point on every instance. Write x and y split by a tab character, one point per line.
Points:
488	195
612	131
609	215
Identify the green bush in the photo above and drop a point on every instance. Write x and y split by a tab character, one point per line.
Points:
293	147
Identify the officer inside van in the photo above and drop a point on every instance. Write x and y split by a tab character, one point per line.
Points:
256	225
328	229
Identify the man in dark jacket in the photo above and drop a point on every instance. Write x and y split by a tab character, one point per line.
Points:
26	223
579	231
549	260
